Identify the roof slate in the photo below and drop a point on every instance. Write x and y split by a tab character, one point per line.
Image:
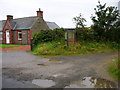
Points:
26	23
12	23
52	25
2	24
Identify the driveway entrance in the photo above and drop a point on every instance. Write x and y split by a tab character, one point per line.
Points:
21	69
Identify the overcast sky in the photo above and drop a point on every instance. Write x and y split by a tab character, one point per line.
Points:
59	11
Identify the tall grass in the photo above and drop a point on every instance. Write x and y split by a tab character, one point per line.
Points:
114	70
78	48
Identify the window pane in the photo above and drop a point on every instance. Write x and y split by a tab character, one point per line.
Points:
19	35
0	32
0	35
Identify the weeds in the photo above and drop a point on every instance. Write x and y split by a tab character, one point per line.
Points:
114	70
78	48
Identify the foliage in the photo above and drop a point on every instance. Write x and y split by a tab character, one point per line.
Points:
6	46
102	37
79	21
48	36
48	48
113	69
106	23
79	48
84	34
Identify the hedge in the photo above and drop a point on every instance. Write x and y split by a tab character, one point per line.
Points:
48	36
82	34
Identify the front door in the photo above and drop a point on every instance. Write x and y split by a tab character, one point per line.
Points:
7	36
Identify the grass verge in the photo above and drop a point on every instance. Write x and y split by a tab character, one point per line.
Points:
113	68
6	46
79	48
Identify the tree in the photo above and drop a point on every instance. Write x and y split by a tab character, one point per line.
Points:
79	21
106	19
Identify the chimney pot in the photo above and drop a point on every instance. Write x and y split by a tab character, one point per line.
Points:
40	13
9	17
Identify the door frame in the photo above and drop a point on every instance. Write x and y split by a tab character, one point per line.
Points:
10	36
7	36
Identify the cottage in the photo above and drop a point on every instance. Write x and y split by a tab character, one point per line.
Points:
21	30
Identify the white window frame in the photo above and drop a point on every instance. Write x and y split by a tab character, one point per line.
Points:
19	32
1	35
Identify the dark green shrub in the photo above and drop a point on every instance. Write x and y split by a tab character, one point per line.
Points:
48	36
84	34
112	35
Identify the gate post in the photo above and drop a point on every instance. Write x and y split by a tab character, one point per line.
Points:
31	44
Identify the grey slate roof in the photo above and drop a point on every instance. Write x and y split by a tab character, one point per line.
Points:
26	23
52	25
12	23
2	24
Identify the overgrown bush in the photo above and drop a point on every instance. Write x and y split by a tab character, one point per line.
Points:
79	48
112	35
84	34
48	36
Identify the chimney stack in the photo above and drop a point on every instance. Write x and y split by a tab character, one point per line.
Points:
9	17
40	13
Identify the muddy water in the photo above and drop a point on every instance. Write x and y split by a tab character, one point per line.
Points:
86	82
92	82
41	64
43	83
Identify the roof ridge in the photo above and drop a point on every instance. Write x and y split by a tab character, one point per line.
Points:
25	17
49	22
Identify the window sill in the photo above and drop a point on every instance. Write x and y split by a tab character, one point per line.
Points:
19	39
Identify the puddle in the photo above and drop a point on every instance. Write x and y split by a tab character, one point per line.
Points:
92	82
57	75
41	64
43	83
